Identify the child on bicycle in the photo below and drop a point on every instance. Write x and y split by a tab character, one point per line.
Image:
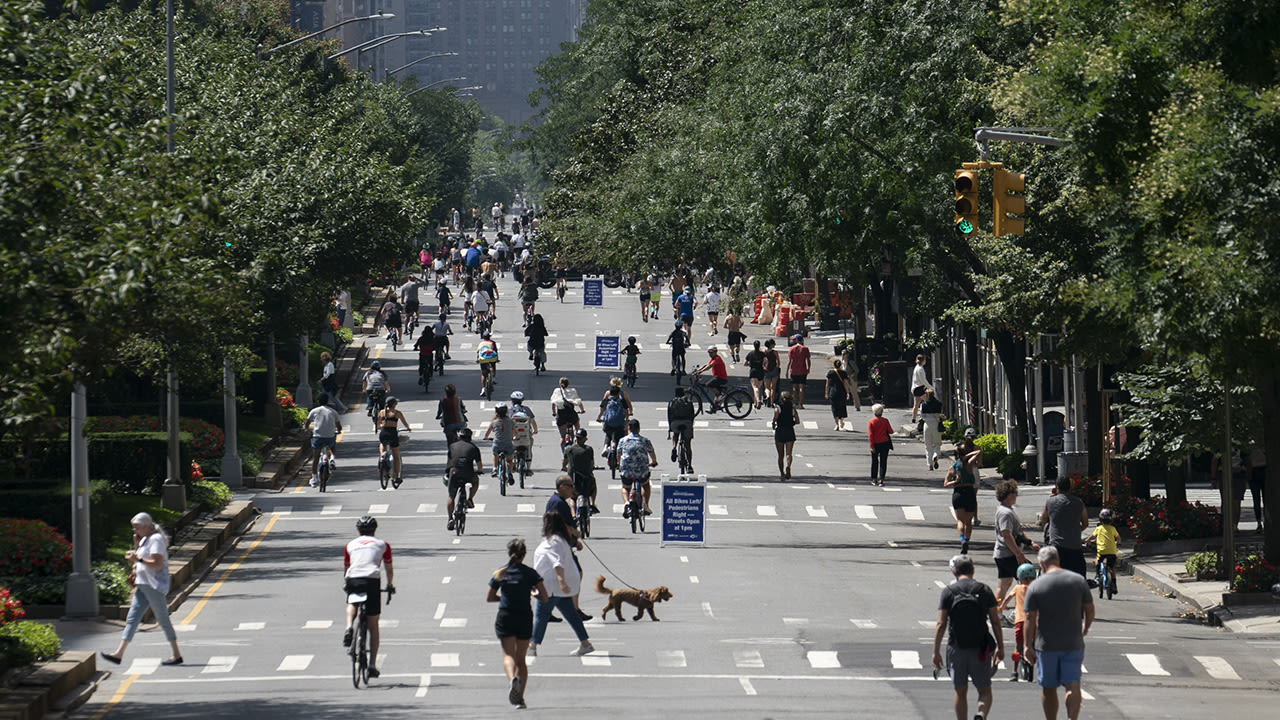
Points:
1026	573
1107	539
631	351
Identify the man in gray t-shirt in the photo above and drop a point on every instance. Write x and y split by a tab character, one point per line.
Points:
1067	518
1059	610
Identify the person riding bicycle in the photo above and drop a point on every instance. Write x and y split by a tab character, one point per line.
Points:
502	428
528	296
680	416
465	466
451	413
537	334
526	425
719	374
1107	539
362	561
409	297
388	422
679	342
375	386
440	332
392	316
480	301
615	408
487	358
566	405
324	425
630	354
580	462
443	296
635	456
426	347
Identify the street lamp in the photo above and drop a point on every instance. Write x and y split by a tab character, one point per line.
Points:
389	73
428	86
370	44
378	16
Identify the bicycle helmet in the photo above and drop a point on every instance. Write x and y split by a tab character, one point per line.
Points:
679	324
582	434
517	396
375	365
1026	571
367	525
500	408
631	340
1106	515
484	335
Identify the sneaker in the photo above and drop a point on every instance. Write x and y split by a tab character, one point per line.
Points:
471	504
583	649
511	480
595	510
647	511
493	473
373	672
626	511
673	454
964	547
451	524
1014	676
533	651
584	615
346	637
396	483
315	480
554	618
513	696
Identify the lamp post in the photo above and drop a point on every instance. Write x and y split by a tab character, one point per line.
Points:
370	44
389	73
428	86
377	16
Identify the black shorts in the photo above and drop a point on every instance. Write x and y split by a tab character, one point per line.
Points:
372	588
626	481
965	499
756	373
800	380
389	437
458	481
736	338
679	428
567	415
584	485
513	624
717	383
411	307
917	391
1007	567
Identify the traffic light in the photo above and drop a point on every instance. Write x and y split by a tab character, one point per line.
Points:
1008	189
966	185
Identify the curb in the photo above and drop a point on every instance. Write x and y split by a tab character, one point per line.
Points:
1218	614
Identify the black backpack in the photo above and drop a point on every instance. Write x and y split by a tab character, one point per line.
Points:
967	618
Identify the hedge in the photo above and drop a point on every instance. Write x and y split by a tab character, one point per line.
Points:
50	500
132	462
26	641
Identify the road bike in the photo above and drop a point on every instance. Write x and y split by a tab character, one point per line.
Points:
635	506
629	374
386	463
460	509
736	400
394	336
326	467
684	453
677	364
1105	577
440	353
504	474
584	512
377	403
425	368
611	457
487	391
539	361
359	651
522	469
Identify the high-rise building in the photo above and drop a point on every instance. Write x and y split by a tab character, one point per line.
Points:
498	42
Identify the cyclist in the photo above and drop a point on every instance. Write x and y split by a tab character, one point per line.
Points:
502	430
324	425
392	317
526	425
441	331
566	405
426	347
388	423
451	413
1107	539
635	456
375	386
528	296
480	300
580	462
632	353
443	296
502	254
537	342
679	342
719	374
615	408
680	423
487	358
409	297
362	560
712	301
465	466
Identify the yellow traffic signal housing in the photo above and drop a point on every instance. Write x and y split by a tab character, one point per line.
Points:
1009	194
966	187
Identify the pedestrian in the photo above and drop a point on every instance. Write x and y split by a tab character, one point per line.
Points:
850	359
1257	484
798	368
785	420
966	609
964	497
511	587
329	381
150	578
931	428
755	372
562	503
1059	609
919	383
1066	517
1009	537
772	371
344	307
1017	599
837	392
553	559
733	323
879	431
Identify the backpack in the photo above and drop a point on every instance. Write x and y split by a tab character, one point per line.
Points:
614	412
680	409
486	350
393	316
967	618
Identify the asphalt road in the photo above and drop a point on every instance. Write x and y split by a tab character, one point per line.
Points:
812	598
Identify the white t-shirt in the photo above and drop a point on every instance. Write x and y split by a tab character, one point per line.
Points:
919	378
324	422
480	301
552	553
158	578
363	557
712	301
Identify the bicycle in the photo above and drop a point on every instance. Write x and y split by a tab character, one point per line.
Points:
505	477
484	323
326	467
410	324
377	403
359	651
539	361
635	506
561	287
439	359
468	316
1105	577
522	469
611	456
487	391
736	400
677	364
394	336
684	454
629	374
425	371
460	509
386	462
584	513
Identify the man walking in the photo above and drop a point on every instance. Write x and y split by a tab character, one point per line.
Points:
967	607
1059	609
1067	518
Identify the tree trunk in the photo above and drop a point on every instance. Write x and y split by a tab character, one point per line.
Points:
1095	429
1269	393
1012	357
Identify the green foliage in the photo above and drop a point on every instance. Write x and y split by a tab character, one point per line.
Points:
1010	465
295	416
26	641
952	431
994	448
344	336
1207	565
357	317
1255	573
113	582
1180	412
212	496
32	548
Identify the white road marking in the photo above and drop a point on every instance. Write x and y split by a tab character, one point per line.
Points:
939	583
1146	664
427	508
748	659
282	510
868	527
893	544
706	610
524	507
219	664
444	660
1217	668
795	622
417	426
766	511
912	512
684	558
928	623
579	346
809	465
423	685
816	510
737	423
453	623
718	509
672	659
184	628
317	625
916	564
478	508
379	509
820	659
331	510
864	624
439	611
865	512
747	687
295	663
752	487
905	659
251	626
617	508
889	489
693	579
809	424
446	580
1084	695
599	658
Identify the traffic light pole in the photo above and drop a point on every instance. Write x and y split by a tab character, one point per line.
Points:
984	135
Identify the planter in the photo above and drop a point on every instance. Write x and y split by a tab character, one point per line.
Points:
1235	599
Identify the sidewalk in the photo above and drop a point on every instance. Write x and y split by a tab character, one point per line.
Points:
1162	571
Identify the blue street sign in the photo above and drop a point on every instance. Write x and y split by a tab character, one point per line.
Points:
607	352
684	512
593	292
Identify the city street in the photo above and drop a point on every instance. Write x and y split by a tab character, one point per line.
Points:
811	598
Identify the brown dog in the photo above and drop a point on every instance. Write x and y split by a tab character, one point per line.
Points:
642	599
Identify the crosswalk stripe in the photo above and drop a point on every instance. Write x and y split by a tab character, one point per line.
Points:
379	509
1217	667
317	625
427	507
282	510
905	659
719	509
809	424
748	659
766	511
864	624
445	660
865	512
599	658
295	663
816	510
220	664
143	666
331	510
1146	664
479	508
524	507
912	512
820	659
672	659
453	623
251	626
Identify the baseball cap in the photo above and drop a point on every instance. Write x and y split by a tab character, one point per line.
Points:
797	336
970	432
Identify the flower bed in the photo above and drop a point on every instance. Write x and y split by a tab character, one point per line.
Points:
1153	519
1254	573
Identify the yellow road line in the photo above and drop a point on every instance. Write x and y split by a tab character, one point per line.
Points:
204	599
115	699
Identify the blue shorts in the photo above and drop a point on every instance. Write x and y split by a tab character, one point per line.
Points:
323	442
501	448
1055	668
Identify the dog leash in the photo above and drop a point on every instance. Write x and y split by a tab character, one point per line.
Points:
607	568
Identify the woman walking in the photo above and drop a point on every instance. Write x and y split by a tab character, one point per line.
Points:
837	392
329	381
150	558
785	420
643	289
772	371
878	432
553	559
755	371
511	587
